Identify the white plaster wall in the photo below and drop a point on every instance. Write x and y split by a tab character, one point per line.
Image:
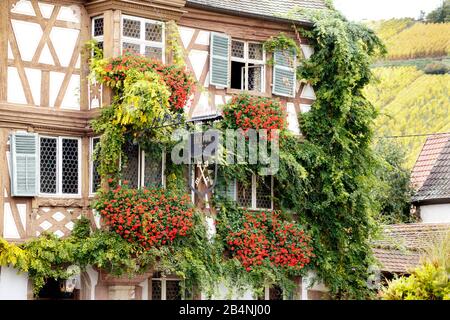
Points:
435	213
13	286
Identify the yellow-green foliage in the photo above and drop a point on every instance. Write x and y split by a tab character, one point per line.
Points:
428	282
410	102
12	255
407	39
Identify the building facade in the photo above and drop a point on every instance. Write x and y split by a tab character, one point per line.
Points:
46	103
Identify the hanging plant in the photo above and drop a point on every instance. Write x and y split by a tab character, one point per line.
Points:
128	68
266	240
148	217
248	112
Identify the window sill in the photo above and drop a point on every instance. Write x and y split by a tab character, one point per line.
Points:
60	196
252	93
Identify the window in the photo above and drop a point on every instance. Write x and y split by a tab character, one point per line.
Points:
59	165
97	30
247	66
143	36
95	89
255	193
142	168
95	178
166	288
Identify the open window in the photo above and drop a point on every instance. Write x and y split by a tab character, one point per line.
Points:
247	66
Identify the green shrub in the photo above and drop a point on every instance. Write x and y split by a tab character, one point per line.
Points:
436	68
430	281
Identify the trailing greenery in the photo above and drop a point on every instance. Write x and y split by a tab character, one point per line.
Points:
331	193
281	42
394	189
148	97
195	259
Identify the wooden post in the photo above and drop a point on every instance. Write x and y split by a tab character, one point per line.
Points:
4	13
3	172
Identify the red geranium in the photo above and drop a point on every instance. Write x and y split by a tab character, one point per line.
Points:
178	80
265	239
248	112
148	217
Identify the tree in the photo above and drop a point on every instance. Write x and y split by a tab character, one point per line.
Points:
441	14
393	192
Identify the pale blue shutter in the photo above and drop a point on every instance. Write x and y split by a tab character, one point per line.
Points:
24	164
219	60
284	77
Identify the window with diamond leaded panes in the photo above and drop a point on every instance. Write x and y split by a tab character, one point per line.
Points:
59	166
48	165
95	178
263	192
165	288
143	36
253	193
244	194
97	27
152	162
130	165
247	66
142	168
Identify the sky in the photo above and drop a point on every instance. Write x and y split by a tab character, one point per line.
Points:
384	9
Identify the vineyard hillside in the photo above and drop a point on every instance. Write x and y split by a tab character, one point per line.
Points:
410	102
412	86
409	39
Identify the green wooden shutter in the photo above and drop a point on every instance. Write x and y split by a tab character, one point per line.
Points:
219	60
284	77
24	164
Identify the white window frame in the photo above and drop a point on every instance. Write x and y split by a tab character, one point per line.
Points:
59	192
91	165
94	83
98	38
141	177
163	280
142	42
253	206
246	60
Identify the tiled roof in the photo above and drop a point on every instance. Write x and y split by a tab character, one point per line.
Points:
437	183
264	8
427	158
400	246
396	261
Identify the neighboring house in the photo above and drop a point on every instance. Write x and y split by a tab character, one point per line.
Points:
399	249
48	178
431	178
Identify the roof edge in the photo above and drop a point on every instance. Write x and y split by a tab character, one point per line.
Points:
430	201
305	23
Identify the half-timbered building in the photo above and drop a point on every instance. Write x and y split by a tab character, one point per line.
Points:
47	176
